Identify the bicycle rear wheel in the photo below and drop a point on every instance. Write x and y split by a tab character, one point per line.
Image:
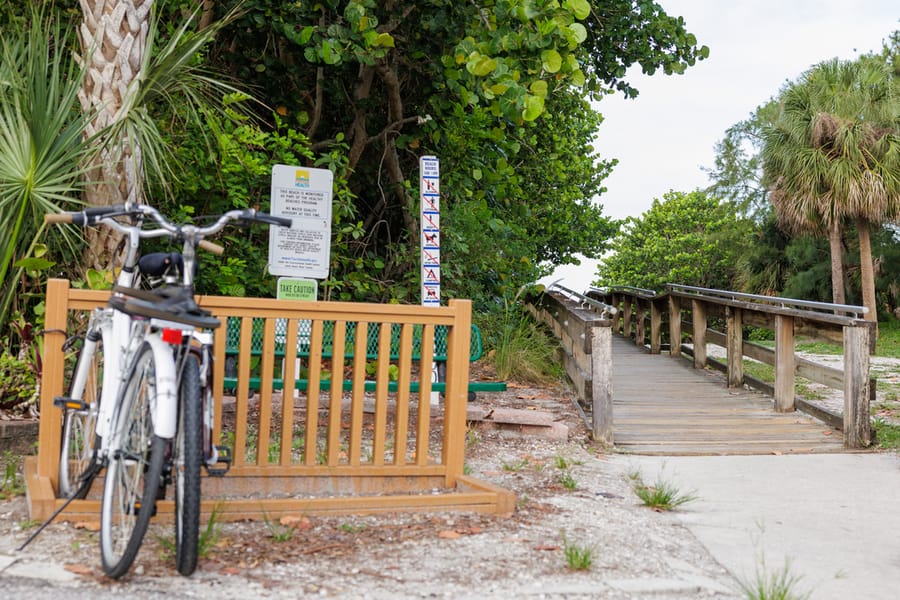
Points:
79	442
186	468
134	472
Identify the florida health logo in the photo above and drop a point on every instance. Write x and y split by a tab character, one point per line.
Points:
301	179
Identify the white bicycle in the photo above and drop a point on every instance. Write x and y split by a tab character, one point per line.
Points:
158	429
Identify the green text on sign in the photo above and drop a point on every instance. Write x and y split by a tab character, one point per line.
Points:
296	288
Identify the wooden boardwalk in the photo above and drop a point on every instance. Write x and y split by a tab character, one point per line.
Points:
663	406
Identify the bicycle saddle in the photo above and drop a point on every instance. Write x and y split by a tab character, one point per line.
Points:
171	303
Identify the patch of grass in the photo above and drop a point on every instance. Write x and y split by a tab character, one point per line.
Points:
781	584
277	531
350	528
209	537
567	480
519	347
887	435
888	342
11	484
578	557
473	437
662	495
516	466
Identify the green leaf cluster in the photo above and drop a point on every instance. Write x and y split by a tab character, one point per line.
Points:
687	238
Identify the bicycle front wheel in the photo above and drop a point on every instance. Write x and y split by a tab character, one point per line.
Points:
186	468
79	441
133	475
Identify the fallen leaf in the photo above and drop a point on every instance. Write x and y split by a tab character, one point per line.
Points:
546	547
88	525
294	522
449	534
79	569
829	432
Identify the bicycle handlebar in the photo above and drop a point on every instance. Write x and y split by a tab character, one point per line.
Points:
106	215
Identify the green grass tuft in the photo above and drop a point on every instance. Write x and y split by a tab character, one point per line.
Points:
662	495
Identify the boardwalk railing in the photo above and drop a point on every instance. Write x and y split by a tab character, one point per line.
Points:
687	314
301	452
584	328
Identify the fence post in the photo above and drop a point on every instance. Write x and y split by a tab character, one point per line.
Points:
655	330
784	363
699	321
674	326
601	383
857	428
53	367
734	346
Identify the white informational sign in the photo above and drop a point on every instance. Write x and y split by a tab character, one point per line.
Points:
303	194
430	225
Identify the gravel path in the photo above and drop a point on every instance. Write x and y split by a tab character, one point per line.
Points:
570	494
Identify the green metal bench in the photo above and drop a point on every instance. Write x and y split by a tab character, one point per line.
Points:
232	345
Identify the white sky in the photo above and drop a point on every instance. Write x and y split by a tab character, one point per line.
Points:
664	137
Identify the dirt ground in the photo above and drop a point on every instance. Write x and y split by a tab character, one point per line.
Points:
573	497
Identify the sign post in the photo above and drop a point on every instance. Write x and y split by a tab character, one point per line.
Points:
430	227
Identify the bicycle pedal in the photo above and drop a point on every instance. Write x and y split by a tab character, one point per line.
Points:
70	403
223	454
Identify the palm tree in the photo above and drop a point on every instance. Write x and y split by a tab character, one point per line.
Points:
41	144
127	75
113	37
833	157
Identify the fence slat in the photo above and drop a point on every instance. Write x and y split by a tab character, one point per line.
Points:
423	426
336	395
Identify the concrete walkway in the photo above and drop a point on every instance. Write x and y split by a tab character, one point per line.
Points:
835	518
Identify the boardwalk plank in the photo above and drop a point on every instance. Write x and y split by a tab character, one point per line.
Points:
663	406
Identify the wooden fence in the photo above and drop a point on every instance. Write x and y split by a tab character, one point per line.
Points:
689	313
297	452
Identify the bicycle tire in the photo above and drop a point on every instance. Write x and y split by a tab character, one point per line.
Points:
187	461
134	472
78	447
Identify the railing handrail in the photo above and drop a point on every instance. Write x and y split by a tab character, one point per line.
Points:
606	310
626	288
850	309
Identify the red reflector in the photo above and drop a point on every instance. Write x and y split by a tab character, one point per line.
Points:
172	336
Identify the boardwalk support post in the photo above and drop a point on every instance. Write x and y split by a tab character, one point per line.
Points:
785	362
601	383
699	320
734	346
857	427
674	326
655	328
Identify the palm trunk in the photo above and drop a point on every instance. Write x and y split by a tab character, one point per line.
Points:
867	269
835	242
113	42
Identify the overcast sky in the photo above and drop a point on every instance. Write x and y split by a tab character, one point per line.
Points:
664	137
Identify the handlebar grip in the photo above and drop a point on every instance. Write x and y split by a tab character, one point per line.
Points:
54	218
273	220
212	247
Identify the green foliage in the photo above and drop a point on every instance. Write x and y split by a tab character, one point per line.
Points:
520	348
41	150
209	536
12	484
690	239
781	584
887	435
662	495
496	90
578	557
